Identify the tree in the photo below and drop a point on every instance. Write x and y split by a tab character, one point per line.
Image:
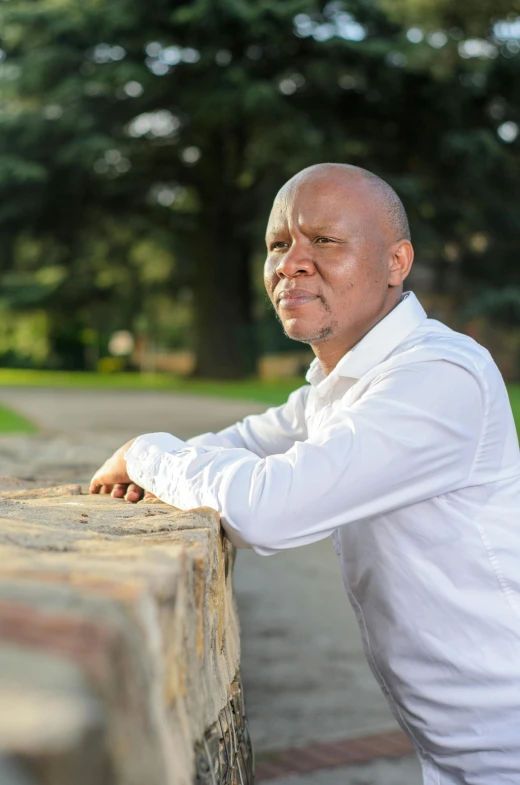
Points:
138	131
185	104
472	17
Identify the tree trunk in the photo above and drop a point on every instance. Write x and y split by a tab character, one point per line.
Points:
224	330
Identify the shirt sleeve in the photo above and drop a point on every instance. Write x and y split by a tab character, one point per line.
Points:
412	435
272	432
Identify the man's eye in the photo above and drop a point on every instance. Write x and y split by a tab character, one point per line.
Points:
323	240
278	244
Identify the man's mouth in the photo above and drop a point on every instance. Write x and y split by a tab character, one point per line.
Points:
294	298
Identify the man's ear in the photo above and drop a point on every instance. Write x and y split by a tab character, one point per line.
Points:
400	262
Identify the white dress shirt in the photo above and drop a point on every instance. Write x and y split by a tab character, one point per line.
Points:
407	456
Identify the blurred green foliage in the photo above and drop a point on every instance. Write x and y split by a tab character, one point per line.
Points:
469	16
142	141
502	306
23	337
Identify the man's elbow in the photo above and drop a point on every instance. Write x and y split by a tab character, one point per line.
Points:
248	530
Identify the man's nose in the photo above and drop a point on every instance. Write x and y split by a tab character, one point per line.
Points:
296	261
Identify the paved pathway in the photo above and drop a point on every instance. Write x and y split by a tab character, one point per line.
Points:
80	428
304	672
405	771
124	413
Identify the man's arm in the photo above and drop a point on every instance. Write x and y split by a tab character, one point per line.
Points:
274	431
413	435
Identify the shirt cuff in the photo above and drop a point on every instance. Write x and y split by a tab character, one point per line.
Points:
144	453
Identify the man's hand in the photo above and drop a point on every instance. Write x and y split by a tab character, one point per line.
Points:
112	478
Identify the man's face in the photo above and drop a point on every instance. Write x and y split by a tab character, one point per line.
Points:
328	266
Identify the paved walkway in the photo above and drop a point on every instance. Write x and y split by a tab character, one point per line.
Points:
405	771
80	428
305	675
124	413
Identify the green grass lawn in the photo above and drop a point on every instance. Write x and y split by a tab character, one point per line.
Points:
10	422
514	397
264	391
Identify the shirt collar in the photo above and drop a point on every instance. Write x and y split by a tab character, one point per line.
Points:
377	344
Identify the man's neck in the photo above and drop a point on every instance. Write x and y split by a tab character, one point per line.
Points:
331	351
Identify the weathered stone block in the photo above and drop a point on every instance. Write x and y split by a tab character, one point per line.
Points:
119	641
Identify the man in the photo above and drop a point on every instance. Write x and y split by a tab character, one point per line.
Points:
402	449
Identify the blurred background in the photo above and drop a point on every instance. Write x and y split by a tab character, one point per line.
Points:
141	145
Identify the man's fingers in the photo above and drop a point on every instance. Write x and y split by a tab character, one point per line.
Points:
119	490
113	473
113	478
130	492
133	493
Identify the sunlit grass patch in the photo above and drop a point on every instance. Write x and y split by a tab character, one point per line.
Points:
514	397
11	422
273	391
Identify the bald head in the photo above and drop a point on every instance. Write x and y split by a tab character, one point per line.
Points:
350	177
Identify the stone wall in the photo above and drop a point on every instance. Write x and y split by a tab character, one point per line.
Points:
119	643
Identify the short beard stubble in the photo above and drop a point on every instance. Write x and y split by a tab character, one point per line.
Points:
324	333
